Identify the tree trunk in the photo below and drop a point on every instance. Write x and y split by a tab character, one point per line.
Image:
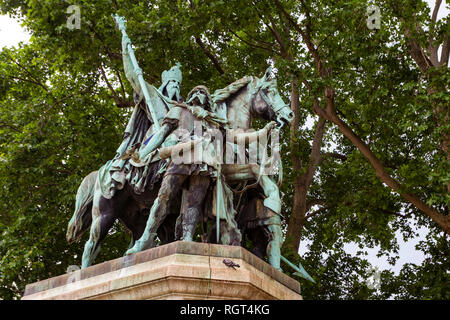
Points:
296	219
302	182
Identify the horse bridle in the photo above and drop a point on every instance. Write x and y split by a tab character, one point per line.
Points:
275	109
270	104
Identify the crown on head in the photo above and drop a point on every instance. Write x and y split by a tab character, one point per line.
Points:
173	73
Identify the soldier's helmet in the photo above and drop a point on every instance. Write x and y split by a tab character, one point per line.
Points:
209	103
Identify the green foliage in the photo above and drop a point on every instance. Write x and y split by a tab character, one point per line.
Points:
59	121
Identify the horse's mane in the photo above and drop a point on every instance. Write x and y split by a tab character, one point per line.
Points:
222	94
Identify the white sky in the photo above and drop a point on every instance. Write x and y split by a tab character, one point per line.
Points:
11	33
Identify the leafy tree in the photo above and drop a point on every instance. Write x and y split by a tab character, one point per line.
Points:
365	158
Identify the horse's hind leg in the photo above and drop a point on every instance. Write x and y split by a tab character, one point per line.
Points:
134	220
103	217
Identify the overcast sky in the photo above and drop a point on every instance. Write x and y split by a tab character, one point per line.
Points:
11	33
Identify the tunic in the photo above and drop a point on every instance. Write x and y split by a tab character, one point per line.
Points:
201	160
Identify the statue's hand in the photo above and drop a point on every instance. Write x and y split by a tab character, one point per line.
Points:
199	112
125	41
271	125
137	156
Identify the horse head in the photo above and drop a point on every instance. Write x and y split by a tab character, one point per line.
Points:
267	101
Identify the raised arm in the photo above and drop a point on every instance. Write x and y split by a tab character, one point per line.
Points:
128	65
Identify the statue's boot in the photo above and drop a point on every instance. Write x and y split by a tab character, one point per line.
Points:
273	203
271	191
229	232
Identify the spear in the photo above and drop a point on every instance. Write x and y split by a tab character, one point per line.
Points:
301	272
120	21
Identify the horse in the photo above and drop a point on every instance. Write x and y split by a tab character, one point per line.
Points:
258	214
98	209
133	217
241	101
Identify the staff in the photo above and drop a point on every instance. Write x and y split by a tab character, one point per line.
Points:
301	272
121	24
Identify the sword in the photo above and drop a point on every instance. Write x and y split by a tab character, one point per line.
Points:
219	196
120	21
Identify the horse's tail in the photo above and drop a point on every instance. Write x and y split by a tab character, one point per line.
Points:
82	218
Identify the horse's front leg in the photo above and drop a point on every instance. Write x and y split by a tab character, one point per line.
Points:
272	202
169	188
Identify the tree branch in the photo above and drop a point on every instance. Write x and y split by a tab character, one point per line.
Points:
31	76
435	11
254	45
383	175
315	213
396	213
314	202
28	80
334	155
121	103
314	157
415	50
277	35
259	40
432	49
445	52
5	125
121	83
306	36
210	55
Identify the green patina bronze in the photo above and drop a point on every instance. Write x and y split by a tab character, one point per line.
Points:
152	146
138	71
300	271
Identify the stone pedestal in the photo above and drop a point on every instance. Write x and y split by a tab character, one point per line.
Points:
179	270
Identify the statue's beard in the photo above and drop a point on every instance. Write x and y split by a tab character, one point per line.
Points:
173	94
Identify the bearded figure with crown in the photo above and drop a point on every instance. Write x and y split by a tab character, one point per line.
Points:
140	129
